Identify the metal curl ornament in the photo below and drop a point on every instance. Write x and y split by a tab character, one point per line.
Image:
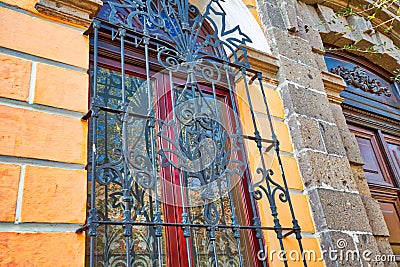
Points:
210	213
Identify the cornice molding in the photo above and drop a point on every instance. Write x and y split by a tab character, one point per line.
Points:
78	12
381	16
263	62
334	85
375	121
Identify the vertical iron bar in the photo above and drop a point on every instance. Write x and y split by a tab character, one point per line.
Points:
92	212
122	33
193	84
106	227
185	213
126	181
212	171
151	113
256	219
171	84
212	231
296	226
236	232
273	207
215	252
106	256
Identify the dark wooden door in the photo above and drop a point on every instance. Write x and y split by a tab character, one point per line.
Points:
381	154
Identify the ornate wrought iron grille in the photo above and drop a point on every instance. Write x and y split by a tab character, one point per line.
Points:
170	183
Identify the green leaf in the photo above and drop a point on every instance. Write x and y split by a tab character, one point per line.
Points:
388	29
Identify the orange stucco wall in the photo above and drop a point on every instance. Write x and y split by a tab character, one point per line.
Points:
43	94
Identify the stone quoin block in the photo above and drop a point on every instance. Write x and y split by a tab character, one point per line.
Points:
351	147
368	249
375	216
359	178
9	179
340	120
15	75
293	47
53	195
309	28
299	100
337	210
305	133
319	169
297	73
385	249
62	88
266	9
331	137
335	245
39	135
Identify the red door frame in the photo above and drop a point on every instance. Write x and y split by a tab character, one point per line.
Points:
173	214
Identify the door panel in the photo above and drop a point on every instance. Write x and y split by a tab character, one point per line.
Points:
375	168
381	154
393	145
391	215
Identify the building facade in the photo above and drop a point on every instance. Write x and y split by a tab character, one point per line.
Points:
317	171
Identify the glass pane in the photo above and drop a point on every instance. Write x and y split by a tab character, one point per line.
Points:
212	176
144	247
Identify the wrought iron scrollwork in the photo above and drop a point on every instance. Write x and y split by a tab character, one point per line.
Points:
191	155
181	23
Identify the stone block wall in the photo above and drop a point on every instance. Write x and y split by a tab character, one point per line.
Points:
328	154
43	147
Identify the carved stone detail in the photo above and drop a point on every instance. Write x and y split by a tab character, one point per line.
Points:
75	11
360	79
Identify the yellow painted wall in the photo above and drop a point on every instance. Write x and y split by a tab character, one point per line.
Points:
299	198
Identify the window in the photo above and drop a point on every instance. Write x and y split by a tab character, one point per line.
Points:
168	173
